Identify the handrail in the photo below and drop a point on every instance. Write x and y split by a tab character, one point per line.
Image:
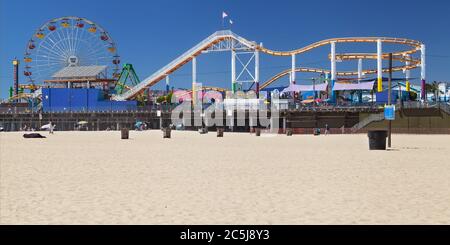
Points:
368	120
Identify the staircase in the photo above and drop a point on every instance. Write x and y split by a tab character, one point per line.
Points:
370	119
445	108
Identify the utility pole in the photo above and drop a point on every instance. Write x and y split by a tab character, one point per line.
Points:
400	95
390	100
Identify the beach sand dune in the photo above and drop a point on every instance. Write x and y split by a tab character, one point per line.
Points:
96	178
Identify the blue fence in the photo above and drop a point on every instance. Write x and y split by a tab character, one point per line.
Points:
81	100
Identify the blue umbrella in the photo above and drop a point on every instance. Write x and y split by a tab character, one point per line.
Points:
138	124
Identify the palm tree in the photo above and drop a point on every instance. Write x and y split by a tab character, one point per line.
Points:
433	88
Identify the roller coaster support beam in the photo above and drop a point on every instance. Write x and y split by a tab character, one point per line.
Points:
194	80
380	65
167	84
328	79
333	71
360	69
293	77
360	76
233	71
423	71
257	72
408	76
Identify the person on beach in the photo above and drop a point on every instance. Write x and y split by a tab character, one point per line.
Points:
327	129
50	130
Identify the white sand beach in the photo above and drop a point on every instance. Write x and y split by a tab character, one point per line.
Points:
97	178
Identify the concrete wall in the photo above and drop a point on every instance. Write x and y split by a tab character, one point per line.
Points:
413	124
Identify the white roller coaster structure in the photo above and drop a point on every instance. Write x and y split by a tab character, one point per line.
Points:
229	41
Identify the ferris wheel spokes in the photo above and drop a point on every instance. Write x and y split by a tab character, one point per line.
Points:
68	41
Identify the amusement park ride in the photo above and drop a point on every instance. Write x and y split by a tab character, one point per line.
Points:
66	42
78	42
228	41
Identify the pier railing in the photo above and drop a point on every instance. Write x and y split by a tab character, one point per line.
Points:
292	107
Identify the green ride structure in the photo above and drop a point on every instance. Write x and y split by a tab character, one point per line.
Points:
128	79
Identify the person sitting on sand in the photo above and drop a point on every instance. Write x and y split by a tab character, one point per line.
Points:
33	136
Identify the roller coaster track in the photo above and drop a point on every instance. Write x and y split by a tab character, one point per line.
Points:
20	96
345	73
366	56
35	95
412	43
181	61
221	36
26	96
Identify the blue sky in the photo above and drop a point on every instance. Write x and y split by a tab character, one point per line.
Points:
149	34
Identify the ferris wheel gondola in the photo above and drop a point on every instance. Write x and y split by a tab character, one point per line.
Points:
69	41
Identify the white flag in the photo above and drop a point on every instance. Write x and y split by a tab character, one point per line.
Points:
224	15
231	22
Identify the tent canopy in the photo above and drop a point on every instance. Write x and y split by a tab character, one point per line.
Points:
303	88
353	86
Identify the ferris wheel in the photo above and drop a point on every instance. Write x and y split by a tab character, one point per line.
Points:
69	41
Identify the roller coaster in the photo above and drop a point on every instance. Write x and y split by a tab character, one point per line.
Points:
228	41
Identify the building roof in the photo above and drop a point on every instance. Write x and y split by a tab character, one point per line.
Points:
79	71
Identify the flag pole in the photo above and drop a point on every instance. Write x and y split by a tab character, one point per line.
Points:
223	20
224	15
